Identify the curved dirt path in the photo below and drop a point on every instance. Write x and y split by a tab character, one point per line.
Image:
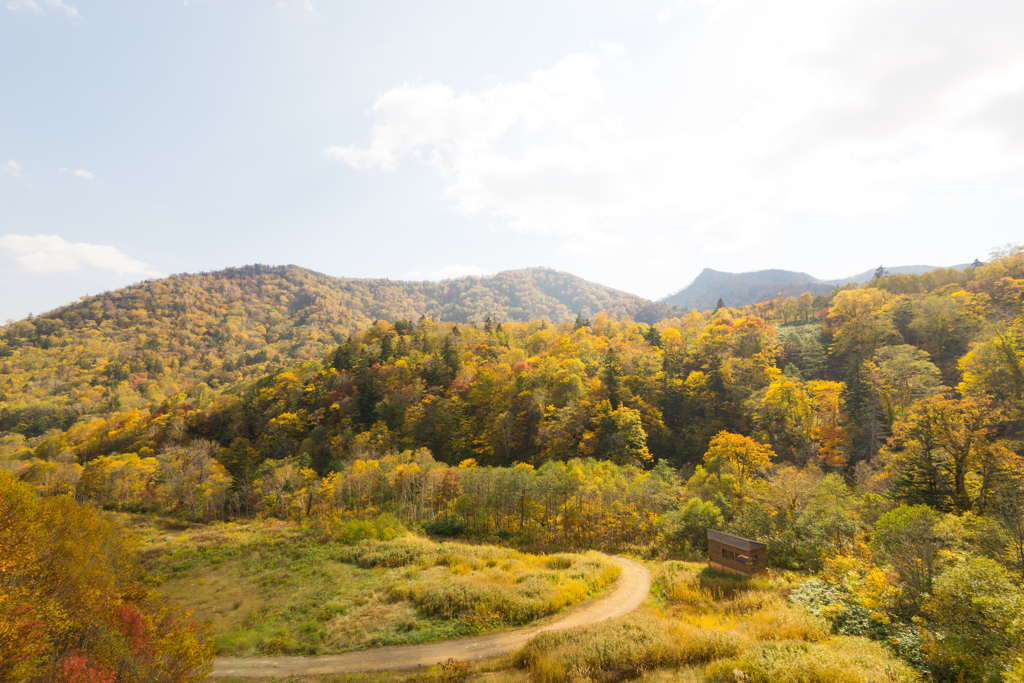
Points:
631	589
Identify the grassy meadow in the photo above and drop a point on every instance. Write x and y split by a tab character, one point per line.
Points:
698	626
274	588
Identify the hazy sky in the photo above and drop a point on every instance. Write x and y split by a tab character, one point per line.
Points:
632	143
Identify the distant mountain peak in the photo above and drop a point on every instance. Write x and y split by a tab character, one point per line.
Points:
739	289
867	275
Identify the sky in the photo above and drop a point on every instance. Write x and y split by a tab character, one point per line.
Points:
630	143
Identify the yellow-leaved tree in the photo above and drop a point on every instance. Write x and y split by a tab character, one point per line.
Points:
748	456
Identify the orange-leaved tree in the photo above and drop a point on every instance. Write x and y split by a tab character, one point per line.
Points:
73	606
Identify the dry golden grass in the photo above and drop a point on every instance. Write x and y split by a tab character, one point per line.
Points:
622	648
844	659
707	626
484	583
756	608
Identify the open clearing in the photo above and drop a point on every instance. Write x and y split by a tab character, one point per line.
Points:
274	589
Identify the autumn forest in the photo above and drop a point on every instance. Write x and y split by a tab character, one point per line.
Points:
873	437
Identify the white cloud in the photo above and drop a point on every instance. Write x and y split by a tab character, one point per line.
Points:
14	5
446	272
610	48
448	127
767	112
80	173
13	167
35	7
67	9
47	254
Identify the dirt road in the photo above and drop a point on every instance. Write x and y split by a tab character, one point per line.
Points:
630	590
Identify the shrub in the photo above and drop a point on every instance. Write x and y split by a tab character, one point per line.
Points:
396	553
973	620
851	619
451	597
453	671
560	561
451	527
835	604
386	527
686	527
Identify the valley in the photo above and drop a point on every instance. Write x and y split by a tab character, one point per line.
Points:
228	466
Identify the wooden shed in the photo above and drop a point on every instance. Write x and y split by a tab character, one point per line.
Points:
736	555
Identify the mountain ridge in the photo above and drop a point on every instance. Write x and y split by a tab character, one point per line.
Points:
533	293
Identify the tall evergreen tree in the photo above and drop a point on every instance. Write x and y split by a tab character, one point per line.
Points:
370	394
450	356
387	349
345	357
611	375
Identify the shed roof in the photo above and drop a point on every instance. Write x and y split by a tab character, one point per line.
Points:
735	541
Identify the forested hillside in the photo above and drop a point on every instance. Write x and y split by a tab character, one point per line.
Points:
186	333
823	379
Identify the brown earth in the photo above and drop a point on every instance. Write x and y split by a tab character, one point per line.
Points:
630	589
